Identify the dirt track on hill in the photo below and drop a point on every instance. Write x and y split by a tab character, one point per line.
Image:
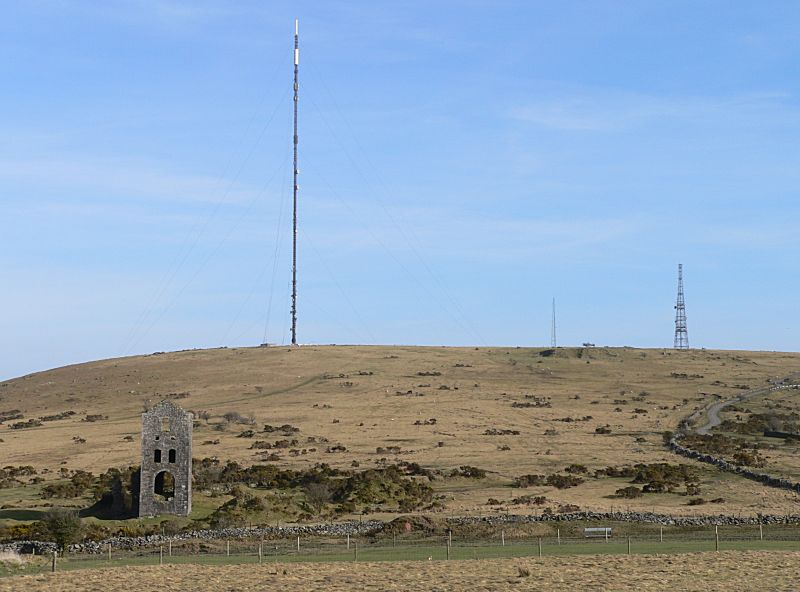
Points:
728	571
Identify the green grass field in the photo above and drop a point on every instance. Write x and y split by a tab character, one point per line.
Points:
247	554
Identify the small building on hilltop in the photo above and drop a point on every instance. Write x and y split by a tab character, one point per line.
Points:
165	485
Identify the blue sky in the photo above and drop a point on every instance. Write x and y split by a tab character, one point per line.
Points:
462	163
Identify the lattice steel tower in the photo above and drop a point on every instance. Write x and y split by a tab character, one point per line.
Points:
681	332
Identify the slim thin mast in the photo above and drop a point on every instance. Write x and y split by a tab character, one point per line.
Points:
553	326
294	190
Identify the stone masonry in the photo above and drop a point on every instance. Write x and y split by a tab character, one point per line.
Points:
166	475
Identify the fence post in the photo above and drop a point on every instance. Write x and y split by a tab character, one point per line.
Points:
394	539
348	542
761	532
55	555
298	543
661	535
716	538
161	555
228	548
260	551
558	534
503	538
449	538
606	533
540	546
629	545
109	551
355	550
447	548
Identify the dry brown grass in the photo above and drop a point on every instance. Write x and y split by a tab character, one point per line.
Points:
726	571
473	392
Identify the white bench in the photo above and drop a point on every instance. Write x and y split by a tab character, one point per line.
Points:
601	532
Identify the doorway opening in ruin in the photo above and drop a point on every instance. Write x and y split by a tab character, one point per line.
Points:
164	486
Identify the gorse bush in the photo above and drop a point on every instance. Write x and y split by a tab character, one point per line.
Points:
555	480
469	472
629	492
390	485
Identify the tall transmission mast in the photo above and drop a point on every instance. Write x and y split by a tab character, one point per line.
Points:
681	332
294	185
553	326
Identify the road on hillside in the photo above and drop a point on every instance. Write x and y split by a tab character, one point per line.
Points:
713	418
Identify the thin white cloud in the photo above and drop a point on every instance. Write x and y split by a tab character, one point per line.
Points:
468	235
604	111
750	235
119	180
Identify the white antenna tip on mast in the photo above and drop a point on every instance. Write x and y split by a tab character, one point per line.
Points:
296	50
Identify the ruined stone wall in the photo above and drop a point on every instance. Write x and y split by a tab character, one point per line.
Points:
166	450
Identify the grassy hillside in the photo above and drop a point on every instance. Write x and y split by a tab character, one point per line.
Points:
510	411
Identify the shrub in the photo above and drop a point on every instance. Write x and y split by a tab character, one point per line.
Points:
563	481
317	496
237	511
236	417
747	458
529	480
629	492
75	487
57	416
500	432
469	472
63	526
575	469
285	430
95	417
672	475
692	489
10	415
21	425
529	500
656	487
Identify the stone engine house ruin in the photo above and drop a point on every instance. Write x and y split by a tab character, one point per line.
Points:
165	485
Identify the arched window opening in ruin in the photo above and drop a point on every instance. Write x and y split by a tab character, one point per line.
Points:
164	485
172	455
165	424
157	455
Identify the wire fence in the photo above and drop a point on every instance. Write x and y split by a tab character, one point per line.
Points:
449	546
